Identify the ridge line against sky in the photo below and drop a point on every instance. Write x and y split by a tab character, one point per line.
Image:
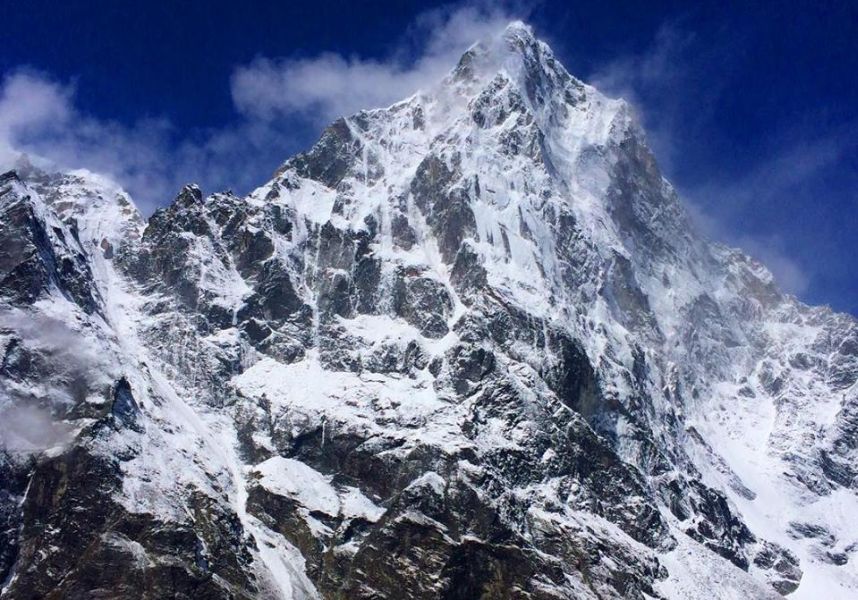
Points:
767	172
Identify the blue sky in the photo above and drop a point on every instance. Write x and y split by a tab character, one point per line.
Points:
752	110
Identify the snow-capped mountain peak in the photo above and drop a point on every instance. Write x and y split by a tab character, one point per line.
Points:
468	345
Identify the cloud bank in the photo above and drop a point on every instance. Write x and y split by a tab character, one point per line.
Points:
150	158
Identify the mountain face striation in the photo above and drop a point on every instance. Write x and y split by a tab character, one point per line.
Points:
466	346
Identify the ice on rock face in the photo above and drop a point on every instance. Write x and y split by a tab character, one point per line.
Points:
465	343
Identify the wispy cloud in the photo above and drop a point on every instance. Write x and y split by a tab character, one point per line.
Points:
674	84
747	209
29	101
677	85
29	429
39	116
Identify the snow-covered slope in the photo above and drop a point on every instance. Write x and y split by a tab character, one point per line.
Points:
468	345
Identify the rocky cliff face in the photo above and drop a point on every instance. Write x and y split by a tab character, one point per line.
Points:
467	346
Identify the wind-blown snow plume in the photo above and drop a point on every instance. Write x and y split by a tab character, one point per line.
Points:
678	85
332	85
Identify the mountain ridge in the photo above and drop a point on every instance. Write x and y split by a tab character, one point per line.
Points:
441	319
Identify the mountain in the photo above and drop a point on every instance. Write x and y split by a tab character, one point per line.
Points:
466	346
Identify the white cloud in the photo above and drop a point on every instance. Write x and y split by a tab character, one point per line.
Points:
329	85
25	428
673	83
739	209
29	100
772	251
38	116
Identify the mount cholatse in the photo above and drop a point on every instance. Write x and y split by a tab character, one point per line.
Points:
466	346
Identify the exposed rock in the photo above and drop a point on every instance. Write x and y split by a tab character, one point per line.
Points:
467	346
